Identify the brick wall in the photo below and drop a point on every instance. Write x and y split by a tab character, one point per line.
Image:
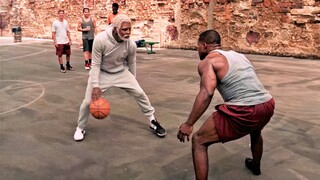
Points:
278	27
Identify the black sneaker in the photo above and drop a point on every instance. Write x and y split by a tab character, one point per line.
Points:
255	169
70	68
158	129
63	70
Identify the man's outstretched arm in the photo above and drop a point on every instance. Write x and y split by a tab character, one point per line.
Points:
207	87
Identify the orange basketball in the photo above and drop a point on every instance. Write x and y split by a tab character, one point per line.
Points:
100	108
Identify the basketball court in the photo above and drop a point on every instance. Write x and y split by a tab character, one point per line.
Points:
39	110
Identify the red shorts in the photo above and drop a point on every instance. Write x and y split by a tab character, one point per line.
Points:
233	122
63	49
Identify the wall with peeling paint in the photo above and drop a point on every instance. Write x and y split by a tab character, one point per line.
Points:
276	27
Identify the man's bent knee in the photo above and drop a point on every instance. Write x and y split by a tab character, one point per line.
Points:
198	141
201	139
195	140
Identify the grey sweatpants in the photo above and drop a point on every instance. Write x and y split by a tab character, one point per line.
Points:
124	80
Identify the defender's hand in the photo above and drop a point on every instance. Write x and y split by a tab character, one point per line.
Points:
96	93
185	130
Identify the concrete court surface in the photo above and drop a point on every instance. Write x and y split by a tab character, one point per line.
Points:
39	109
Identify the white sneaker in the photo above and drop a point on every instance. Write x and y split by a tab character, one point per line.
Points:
79	134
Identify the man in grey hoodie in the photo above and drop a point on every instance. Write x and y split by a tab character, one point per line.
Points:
114	65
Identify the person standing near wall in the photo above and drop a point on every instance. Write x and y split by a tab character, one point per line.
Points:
87	25
62	40
115	7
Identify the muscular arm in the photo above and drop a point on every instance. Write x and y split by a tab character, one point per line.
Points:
79	25
207	87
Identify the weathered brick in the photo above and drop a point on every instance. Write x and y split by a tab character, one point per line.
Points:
267	3
222	1
256	2
285	19
275	9
284	10
218	9
253	37
298	5
285	5
228	12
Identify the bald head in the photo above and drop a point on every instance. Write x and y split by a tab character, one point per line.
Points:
119	19
210	37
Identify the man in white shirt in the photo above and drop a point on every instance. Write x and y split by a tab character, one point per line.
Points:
62	40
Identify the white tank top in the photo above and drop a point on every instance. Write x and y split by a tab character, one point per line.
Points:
241	86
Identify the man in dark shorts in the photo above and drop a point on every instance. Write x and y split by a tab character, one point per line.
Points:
87	25
62	40
247	109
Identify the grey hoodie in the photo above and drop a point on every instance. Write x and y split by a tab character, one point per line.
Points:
111	56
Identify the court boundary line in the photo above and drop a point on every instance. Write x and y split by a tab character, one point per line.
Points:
18	57
27	104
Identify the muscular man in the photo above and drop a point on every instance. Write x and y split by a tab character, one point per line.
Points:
114	65
87	25
247	109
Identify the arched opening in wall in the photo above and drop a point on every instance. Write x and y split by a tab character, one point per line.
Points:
253	37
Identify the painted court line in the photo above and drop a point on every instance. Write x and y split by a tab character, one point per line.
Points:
17	57
42	93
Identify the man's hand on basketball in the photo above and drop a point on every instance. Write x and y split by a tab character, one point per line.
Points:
96	93
185	130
